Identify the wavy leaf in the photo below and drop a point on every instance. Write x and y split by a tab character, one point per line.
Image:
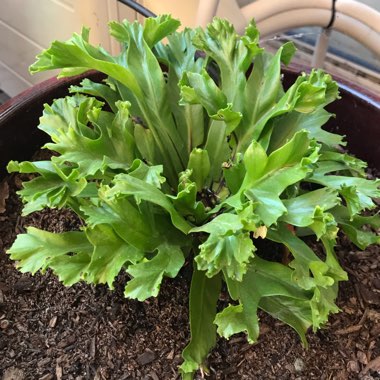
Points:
126	184
268	285
36	249
147	275
268	176
55	187
227	248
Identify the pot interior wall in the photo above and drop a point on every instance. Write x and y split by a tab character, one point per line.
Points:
357	117
19	137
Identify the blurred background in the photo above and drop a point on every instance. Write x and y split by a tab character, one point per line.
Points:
28	26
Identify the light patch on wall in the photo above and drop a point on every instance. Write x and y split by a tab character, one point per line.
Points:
67	4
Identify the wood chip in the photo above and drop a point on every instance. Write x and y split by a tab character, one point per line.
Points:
299	365
369	296
341	375
264	329
375	331
349	330
349	310
362	357
372	345
4	287
364	317
359	296
11	353
110	364
373	315
42	363
24	284
13	373
97	375
48	376
373	365
154	376
4	324
4	194
353	300
93	347
147	357
21	327
376	283
66	341
353	366
58	372
53	322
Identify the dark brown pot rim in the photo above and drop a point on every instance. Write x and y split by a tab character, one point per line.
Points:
53	85
357	116
35	94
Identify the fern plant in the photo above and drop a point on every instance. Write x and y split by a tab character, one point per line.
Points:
191	150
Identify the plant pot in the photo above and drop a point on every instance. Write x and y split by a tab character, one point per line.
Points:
356	117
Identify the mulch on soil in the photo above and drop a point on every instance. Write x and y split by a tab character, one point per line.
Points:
48	331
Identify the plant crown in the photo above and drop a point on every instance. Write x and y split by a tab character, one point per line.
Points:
187	152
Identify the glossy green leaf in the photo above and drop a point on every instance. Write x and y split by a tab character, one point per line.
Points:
336	161
201	89
179	55
87	137
138	70
232	53
358	192
71	268
284	127
217	148
325	274
77	56
308	210
109	256
54	187
155	29
353	227
199	164
35	249
227	248
268	176
270	284
98	90
263	89
186	201
147	275
125	218
126	184
204	294
149	174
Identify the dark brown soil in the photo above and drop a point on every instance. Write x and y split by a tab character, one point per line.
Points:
48	331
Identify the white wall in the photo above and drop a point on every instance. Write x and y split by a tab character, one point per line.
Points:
29	26
186	10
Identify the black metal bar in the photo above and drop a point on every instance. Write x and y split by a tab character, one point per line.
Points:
333	15
138	8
